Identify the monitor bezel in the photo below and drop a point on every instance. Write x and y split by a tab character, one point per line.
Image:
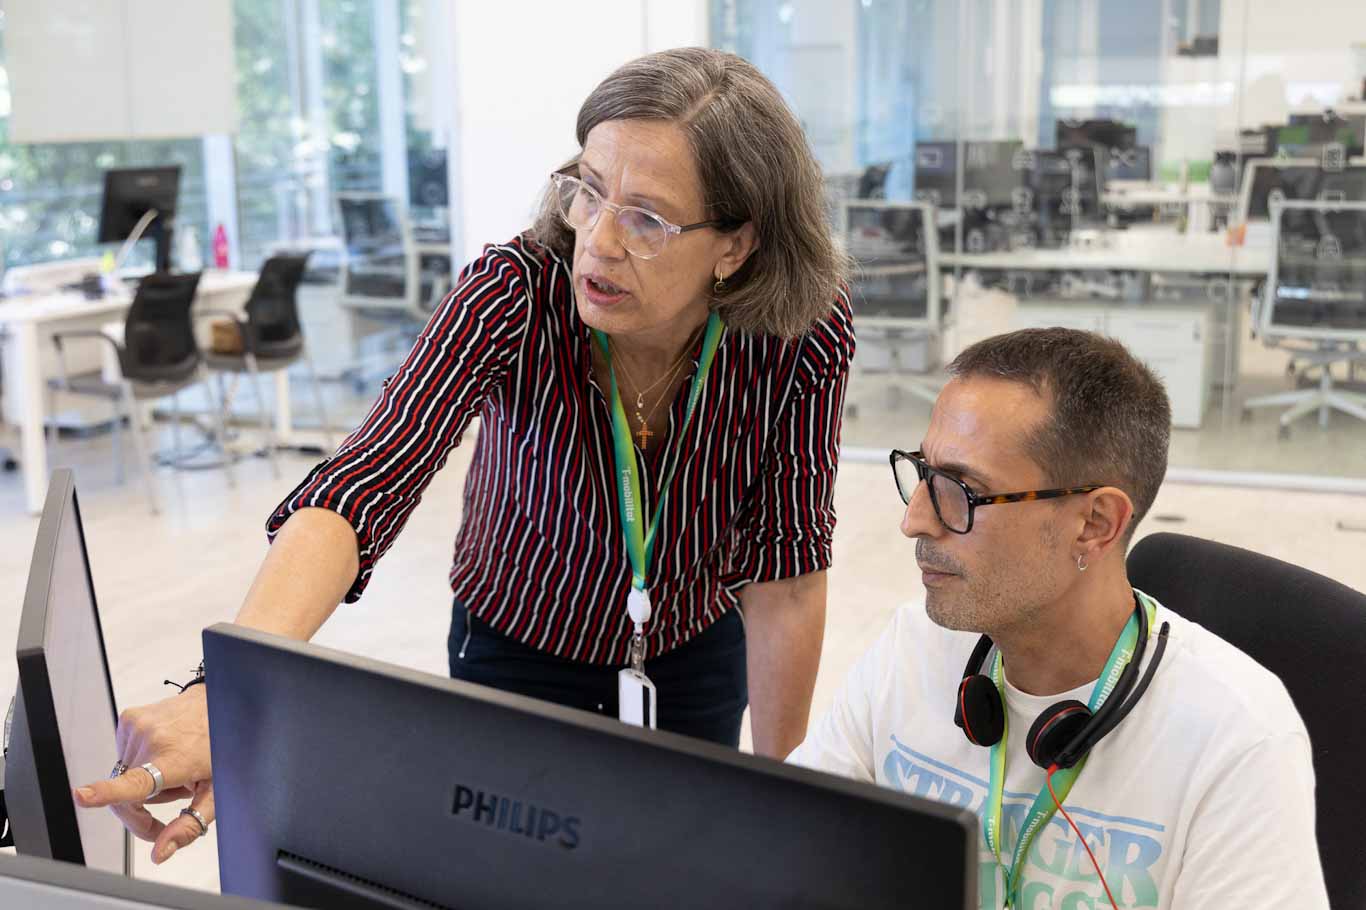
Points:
35	686
96	882
224	638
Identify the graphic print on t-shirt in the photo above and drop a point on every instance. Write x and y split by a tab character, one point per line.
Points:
1058	874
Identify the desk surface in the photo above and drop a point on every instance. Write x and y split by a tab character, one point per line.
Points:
1171	254
69	304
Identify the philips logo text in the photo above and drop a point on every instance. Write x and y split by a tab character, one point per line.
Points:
516	817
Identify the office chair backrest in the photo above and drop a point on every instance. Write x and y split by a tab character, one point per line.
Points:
1308	630
273	310
158	337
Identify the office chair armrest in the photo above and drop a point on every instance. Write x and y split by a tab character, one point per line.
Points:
59	337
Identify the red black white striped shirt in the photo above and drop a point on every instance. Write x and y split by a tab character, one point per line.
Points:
540	554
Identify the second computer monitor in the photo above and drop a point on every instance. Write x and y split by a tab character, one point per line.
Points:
341	781
62	731
133	192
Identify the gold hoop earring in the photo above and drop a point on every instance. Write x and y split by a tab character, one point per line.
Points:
719	287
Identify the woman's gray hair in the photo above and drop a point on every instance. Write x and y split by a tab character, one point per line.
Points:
755	165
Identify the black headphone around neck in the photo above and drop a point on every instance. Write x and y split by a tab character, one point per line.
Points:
1065	731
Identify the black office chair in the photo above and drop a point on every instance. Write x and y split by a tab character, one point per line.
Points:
157	358
1308	630
272	339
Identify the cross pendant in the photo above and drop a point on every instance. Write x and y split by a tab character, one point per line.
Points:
644	435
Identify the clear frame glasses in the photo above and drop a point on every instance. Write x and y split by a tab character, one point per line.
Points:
954	503
642	233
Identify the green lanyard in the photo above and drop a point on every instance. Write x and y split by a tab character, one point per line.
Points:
1043	809
640	543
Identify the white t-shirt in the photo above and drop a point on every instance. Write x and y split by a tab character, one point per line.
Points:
1202	797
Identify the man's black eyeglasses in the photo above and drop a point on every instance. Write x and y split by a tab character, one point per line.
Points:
953	501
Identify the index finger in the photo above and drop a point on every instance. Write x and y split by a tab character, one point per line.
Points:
126	788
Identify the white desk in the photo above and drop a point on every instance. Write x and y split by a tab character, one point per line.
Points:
29	323
1154	194
1168	252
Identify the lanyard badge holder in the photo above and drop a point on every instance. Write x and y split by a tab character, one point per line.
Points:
636	694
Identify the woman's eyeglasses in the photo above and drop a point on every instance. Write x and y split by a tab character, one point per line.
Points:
642	233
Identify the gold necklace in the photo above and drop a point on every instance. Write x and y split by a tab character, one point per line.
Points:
644	432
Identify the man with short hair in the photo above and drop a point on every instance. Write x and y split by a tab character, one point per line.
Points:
1193	784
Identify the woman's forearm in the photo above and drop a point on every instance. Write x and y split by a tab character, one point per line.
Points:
310	567
784	629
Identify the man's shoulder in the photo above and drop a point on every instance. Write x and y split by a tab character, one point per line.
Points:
1214	682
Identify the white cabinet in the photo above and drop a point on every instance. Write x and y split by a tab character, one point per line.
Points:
1175	343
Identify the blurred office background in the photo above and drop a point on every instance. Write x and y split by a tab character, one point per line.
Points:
1186	175
990	164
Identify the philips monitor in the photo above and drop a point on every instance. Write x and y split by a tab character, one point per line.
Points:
27	883
141	201
345	782
61	733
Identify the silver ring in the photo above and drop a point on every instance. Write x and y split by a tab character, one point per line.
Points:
119	770
194	814
158	782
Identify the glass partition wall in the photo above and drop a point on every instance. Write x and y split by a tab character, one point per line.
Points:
1133	169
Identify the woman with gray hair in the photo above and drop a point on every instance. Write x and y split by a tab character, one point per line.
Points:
659	366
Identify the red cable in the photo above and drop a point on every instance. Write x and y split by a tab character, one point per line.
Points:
1104	884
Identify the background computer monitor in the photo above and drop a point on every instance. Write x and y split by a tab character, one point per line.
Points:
1317	286
1271	179
894	245
427	179
1111	134
130	193
936	173
27	883
1327	127
989	175
1060	190
1135	163
363	778
62	730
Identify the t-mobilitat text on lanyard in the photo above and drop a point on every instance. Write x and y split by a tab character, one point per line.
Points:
1043	809
640	542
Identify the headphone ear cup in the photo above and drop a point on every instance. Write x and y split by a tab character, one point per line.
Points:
1053	730
979	711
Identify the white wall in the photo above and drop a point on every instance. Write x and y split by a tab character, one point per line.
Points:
521	75
89	70
1299	55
